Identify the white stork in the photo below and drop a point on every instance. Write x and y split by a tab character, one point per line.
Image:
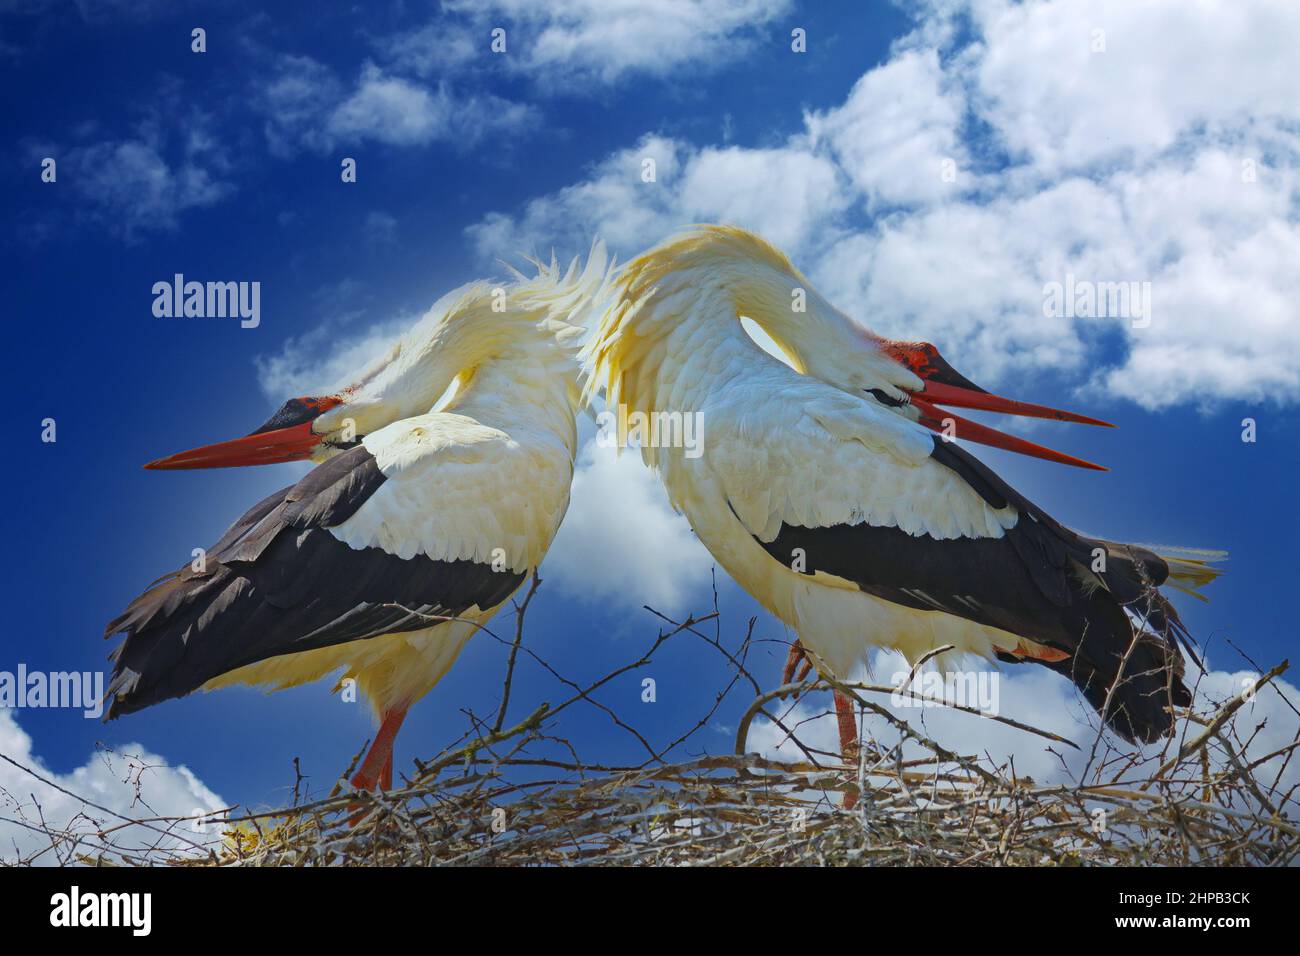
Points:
824	491
414	514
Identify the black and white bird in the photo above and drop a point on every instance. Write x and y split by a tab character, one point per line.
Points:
424	516
822	487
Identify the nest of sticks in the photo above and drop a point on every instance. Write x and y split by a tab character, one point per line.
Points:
519	794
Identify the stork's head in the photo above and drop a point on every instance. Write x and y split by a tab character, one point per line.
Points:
724	274
524	324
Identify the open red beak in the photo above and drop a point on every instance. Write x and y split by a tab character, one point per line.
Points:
944	385
286	436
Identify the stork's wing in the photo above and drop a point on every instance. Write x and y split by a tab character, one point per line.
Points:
858	492
290	576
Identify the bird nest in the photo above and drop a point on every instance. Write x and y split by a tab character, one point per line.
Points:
519	794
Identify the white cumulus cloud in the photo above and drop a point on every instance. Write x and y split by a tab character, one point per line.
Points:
145	181
898	124
576	42
620	543
324	357
1040	698
130	783
306	104
1160	151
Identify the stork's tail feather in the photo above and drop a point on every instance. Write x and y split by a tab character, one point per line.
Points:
1128	663
1134	688
1190	569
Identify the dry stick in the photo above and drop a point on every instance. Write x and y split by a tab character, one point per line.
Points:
712	641
1105	711
752	680
1205	736
740	671
581	694
825	683
645	659
930	655
719	698
881	689
936	853
924	740
50	833
520	611
529	723
347	774
101	809
1287	749
585	694
1247	778
785	690
733	819
1251	661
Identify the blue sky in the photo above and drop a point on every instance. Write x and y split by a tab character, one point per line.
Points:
1121	164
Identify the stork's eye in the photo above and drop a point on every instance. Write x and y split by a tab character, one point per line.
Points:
884	398
340	443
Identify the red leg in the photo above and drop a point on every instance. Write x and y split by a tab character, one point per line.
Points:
791	662
845	714
849	744
377	768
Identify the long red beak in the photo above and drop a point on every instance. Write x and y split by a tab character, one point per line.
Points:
944	385
287	436
260	448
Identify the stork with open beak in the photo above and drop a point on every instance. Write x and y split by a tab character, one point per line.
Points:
415	527
830	490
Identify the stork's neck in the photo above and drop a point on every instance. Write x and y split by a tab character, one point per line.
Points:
532	386
684	340
681	302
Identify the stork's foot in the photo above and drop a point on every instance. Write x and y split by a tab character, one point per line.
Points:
376	770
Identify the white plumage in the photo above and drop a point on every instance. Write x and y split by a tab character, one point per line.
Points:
444	474
824	491
780	446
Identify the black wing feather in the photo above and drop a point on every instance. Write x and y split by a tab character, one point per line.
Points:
278	582
1034	581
